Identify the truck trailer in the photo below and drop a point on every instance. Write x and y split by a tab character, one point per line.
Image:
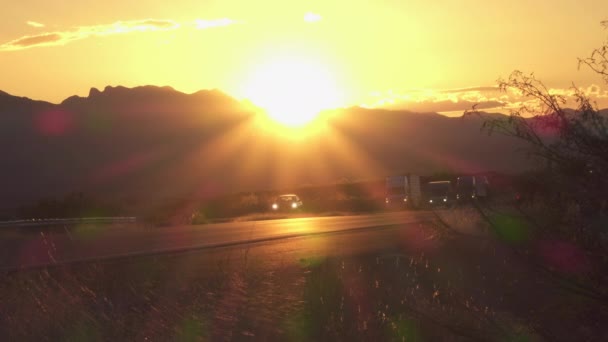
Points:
403	191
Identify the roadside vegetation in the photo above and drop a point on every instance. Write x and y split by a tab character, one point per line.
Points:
437	280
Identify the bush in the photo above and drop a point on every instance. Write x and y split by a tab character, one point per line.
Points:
570	144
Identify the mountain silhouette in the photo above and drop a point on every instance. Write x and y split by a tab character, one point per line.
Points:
146	143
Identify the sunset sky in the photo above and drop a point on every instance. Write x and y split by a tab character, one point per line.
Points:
414	54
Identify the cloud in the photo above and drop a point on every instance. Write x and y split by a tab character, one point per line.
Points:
119	27
592	90
450	106
34	24
455	101
202	24
41	39
471	89
159	23
311	17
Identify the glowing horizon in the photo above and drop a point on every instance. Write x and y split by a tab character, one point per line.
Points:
292	89
398	50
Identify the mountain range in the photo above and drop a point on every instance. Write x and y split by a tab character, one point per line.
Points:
145	143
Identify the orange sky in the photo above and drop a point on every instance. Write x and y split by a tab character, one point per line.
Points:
378	53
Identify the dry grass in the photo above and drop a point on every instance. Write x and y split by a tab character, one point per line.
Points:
407	284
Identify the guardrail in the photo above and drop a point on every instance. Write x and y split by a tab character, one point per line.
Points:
48	222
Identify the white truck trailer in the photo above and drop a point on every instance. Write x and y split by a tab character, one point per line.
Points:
403	191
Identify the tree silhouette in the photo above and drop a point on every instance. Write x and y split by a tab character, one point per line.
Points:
571	143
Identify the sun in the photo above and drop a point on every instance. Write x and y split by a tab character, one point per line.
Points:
292	90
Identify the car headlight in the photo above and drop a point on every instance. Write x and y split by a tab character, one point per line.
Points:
430	201
275	206
294	205
445	199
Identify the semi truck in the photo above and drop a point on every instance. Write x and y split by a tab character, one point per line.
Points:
439	193
403	191
471	187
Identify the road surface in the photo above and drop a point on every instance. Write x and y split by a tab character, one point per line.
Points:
30	250
378	277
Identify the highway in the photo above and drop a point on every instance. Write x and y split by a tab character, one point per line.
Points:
74	245
256	280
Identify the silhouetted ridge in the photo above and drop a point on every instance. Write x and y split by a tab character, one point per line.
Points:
149	143
94	92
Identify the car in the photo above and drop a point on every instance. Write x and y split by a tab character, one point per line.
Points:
287	202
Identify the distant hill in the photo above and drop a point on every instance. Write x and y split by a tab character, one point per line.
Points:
140	144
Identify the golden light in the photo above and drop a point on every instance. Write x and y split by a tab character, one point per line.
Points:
293	90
